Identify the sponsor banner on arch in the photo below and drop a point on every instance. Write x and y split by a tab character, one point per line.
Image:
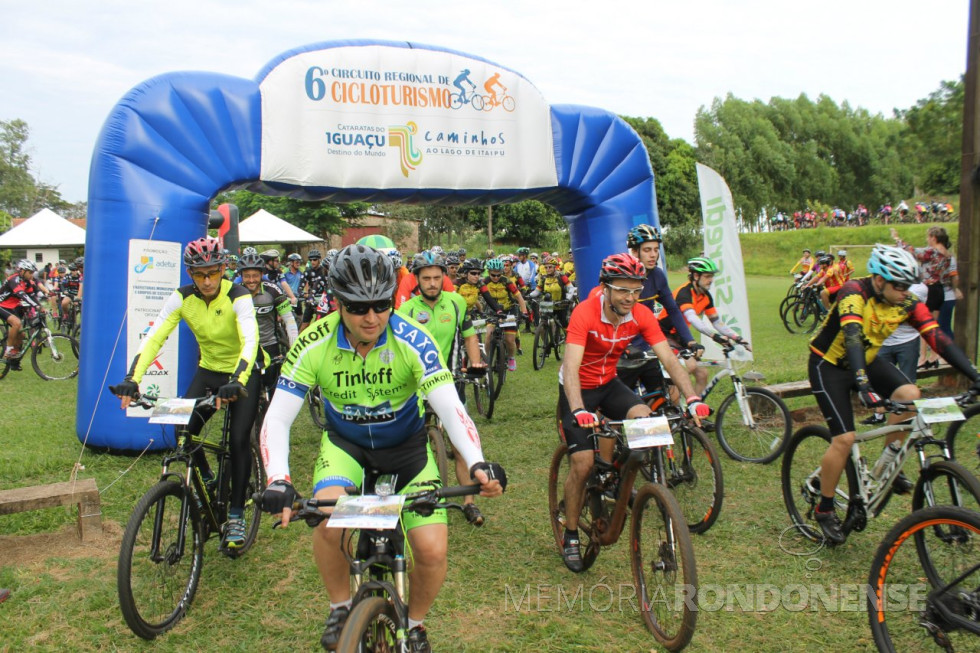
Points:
390	117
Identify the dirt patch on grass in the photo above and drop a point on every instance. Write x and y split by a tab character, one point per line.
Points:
25	550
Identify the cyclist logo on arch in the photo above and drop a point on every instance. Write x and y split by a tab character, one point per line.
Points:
495	93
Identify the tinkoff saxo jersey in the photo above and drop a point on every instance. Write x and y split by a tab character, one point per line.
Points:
375	401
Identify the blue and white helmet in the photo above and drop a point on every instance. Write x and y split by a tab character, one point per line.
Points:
894	264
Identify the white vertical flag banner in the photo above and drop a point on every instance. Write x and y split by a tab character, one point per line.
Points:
721	244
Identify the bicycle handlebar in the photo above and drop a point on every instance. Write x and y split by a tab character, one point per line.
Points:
421	502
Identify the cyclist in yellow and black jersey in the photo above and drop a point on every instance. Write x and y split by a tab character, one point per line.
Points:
222	317
472	288
843	359
506	294
556	286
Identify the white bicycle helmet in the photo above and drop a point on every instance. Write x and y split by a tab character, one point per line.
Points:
27	266
894	264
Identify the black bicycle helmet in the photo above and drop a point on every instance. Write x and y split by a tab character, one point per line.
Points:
642	233
251	262
472	264
428	259
362	274
314	253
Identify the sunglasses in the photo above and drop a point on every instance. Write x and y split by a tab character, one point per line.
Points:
362	308
494	276
473	272
201	276
630	291
901	287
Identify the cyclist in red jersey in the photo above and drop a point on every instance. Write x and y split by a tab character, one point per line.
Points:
599	331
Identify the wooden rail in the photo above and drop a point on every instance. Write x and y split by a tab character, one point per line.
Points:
802	388
82	493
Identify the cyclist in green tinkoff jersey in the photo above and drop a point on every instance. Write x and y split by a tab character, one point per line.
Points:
272	306
843	359
373	369
443	314
221	316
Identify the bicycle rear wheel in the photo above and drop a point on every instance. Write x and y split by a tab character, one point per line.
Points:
899	605
757	429
57	360
592	510
694	475
800	476
664	570
159	560
371	626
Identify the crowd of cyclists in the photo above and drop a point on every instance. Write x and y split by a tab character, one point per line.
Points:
375	335
859	216
26	290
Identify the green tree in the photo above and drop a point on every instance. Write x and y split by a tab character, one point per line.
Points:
21	194
935	128
522	223
317	217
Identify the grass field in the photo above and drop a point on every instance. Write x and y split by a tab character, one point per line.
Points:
507	589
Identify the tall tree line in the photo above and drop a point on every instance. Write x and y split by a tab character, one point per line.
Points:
779	155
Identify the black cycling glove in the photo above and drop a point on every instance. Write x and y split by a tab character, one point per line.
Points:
280	494
128	388
493	470
232	390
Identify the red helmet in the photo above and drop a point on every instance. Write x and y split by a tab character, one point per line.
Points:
203	252
622	266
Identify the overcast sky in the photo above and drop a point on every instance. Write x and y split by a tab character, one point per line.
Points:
65	63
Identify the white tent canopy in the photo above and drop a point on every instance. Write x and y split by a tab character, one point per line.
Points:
263	227
44	229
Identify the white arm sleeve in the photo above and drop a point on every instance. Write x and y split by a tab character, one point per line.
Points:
696	322
274	439
290	323
723	328
461	429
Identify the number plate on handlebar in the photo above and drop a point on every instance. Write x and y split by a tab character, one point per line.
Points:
939	409
367	511
173	411
647	432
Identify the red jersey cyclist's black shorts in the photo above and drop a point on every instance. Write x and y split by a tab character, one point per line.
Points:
832	387
614	399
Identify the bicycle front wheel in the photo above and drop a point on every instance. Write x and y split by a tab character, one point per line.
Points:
591	510
758	426
438	445
557	339
961	436
943	483
371	626
56	360
902	614
664	570
159	560
498	366
541	343
801	480
693	472
314	400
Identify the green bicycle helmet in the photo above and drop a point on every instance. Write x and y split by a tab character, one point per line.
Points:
702	265
495	265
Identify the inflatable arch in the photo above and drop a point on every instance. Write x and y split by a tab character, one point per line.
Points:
341	121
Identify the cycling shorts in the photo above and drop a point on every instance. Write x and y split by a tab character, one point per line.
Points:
16	311
614	399
341	463
832	387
